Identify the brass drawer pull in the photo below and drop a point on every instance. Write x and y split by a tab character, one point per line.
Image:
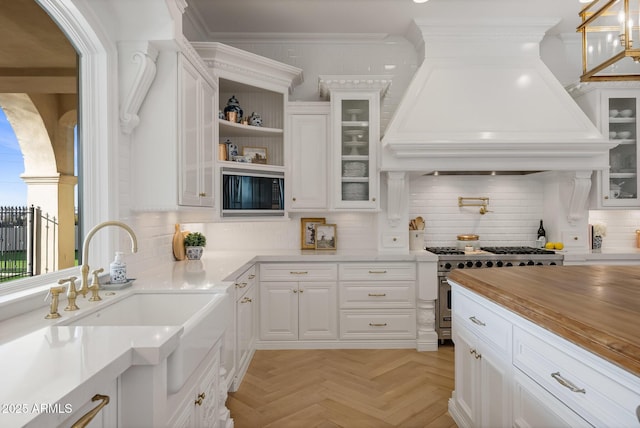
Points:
476	321
241	285
88	417
300	272
246	300
566	383
252	276
377	271
377	294
371	324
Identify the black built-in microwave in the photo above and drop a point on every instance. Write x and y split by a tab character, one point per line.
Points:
250	193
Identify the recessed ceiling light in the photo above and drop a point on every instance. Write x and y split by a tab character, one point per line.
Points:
424	1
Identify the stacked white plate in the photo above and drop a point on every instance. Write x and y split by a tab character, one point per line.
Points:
354	191
354	169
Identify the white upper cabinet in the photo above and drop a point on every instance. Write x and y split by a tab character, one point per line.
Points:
172	156
355	123
614	109
308	135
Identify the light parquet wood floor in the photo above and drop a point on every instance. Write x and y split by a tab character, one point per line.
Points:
351	388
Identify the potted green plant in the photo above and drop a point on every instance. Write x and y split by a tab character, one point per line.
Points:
194	244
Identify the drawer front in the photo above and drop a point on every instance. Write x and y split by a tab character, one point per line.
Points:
395	294
245	281
378	272
378	324
579	379
482	320
298	272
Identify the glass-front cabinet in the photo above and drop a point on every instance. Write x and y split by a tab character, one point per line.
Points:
613	107
355	128
620	182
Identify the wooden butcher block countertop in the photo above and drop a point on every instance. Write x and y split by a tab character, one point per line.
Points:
595	307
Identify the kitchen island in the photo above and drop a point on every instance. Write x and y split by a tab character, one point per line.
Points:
543	345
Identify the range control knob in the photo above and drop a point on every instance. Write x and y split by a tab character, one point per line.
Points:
499	263
460	265
478	264
447	266
521	264
509	264
489	264
530	263
469	264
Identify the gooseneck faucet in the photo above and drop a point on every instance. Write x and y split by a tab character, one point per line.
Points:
85	250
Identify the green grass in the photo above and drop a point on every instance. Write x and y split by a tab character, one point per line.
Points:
13	265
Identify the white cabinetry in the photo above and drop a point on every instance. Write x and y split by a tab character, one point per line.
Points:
482	395
614	108
355	123
377	301
511	372
308	135
260	85
200	402
298	302
246	323
197	101
172	156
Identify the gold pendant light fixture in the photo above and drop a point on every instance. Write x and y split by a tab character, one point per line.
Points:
610	28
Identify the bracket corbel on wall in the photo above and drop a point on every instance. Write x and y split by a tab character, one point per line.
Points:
482	202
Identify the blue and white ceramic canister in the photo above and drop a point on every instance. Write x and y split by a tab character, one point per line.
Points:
233	106
232	149
255	119
118	270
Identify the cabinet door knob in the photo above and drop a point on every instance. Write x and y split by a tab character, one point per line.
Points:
295	290
200	399
246	300
373	199
202	194
294	199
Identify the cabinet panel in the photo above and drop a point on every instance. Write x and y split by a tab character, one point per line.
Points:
378	324
377	271
246	334
309	134
298	272
278	311
533	406
398	294
318	310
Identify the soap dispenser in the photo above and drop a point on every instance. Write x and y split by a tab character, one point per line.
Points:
118	270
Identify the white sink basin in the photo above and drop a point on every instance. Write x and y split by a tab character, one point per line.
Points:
203	316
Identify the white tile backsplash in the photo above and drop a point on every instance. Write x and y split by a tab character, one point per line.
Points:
515	202
621	227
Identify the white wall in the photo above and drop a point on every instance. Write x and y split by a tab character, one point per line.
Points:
516	203
621	227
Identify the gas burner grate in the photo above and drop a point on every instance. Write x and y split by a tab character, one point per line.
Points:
516	250
445	250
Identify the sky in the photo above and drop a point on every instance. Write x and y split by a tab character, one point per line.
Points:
13	191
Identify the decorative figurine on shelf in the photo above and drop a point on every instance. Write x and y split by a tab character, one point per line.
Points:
232	149
233	107
221	115
255	119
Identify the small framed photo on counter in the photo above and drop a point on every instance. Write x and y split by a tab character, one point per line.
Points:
308	232
326	238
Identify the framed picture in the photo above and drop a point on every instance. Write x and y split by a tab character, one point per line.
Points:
326	238
257	154
308	232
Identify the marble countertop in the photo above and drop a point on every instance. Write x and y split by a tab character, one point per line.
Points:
44	361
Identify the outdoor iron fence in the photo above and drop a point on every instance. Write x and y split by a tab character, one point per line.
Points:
28	242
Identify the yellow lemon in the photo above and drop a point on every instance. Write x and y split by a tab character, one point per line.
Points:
559	245
549	246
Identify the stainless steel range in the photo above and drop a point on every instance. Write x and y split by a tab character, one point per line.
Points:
450	258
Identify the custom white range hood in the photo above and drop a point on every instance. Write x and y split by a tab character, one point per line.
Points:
483	100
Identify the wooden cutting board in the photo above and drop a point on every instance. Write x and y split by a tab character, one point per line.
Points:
178	243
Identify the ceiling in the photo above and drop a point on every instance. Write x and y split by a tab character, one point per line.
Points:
219	21
35	55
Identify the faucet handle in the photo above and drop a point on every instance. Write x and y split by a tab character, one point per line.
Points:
95	285
71	293
54	292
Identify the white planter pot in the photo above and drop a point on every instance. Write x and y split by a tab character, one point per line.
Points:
194	253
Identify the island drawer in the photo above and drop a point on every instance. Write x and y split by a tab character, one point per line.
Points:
602	393
377	271
298	272
481	317
394	294
378	324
